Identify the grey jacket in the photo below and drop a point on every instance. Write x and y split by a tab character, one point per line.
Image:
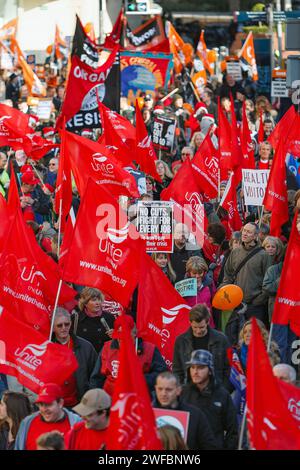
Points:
217	344
250	277
270	285
21	438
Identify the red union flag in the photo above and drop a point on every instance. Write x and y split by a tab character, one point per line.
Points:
29	278
229	202
287	302
93	160
162	313
82	79
188	207
246	143
28	355
132	423
105	250
270	426
206	166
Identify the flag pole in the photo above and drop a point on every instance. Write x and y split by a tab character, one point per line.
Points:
55	307
261	216
169	95
242	430
270	338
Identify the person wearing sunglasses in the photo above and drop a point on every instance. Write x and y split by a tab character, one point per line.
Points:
76	385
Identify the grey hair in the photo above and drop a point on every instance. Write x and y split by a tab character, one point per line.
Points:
62	312
289	369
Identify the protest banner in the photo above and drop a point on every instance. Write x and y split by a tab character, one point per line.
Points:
233	67
178	419
254	186
278	86
187	287
140	179
145	36
144	72
163	133
154	223
44	109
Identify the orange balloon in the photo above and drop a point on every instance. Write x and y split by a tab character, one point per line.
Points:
141	102
228	297
211	56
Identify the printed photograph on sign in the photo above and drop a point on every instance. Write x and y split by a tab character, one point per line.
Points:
178	419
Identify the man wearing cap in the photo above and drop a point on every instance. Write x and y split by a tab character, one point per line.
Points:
168	396
211	398
91	433
36	205
52	416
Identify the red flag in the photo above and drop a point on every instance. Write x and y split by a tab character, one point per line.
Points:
188	207
287	302
92	160
4	221
132	423
225	144
115	36
206	168
229	202
82	79
270	426
13	200
105	251
236	152
261	132
28	355
145	154
282	127
40	147
63	190
29	278
248	54
14	128
275	199
246	143
162	312
291	394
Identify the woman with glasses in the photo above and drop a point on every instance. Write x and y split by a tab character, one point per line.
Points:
76	386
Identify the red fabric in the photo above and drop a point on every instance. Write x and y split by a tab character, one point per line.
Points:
287	302
38	427
145	154
29	278
113	38
14	128
275	199
81	438
82	78
246	143
104	252
132	422
282	127
63	190
270	426
188	206
229	202
263	165
162	312
28	355
261	133
206	166
225	144
69	388
110	363
90	159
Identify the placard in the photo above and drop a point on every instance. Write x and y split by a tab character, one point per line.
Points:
254	186
234	68
163	133
178	419
44	109
140	179
278	86
187	287
155	225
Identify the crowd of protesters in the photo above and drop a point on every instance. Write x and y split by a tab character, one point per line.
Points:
75	416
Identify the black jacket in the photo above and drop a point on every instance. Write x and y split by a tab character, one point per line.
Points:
179	259
92	329
217	346
216	403
200	435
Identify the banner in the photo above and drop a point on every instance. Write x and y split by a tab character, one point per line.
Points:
187	287
147	35
278	87
233	67
140	179
163	134
154	223
254	186
144	72
178	419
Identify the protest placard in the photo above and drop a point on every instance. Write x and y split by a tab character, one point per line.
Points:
154	223
178	419
163	133
187	287
279	88
254	186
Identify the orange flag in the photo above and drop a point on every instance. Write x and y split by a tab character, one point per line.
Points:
202	52
199	79
9	30
248	54
182	52
32	81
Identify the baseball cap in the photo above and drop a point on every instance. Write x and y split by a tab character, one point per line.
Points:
201	357
48	393
29	178
93	400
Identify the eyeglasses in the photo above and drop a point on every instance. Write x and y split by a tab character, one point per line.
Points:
61	325
183	153
52	164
